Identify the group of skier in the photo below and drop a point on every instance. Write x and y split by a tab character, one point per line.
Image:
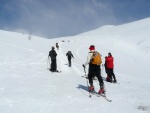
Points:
53	55
94	61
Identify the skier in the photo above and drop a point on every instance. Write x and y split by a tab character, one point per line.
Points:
106	70
70	55
94	60
110	68
57	46
53	56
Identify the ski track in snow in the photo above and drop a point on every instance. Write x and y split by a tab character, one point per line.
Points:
64	62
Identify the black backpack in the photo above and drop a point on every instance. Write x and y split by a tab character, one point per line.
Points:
69	53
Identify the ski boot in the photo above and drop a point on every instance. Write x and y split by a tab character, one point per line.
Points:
91	88
115	81
102	90
108	79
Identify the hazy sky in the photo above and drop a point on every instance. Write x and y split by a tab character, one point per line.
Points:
57	18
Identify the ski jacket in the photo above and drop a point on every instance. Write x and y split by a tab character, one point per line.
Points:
89	57
110	62
69	54
57	46
53	54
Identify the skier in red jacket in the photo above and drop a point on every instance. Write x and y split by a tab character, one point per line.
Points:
110	68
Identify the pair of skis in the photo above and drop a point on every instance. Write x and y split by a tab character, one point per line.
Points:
99	95
94	92
54	71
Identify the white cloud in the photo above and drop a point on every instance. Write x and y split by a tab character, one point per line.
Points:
60	18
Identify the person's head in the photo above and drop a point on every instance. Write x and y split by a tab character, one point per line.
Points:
105	57
92	47
109	54
53	47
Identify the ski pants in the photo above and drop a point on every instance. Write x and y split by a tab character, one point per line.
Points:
95	70
69	61
53	65
111	73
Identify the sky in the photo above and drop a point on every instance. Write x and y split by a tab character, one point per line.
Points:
58	18
27	85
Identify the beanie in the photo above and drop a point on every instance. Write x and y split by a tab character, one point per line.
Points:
92	47
109	54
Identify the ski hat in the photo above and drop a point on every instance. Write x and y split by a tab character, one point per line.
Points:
92	47
109	54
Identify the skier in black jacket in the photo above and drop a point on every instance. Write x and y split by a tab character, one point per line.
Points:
53	56
70	55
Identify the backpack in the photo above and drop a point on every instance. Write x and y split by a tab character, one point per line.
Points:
69	53
96	58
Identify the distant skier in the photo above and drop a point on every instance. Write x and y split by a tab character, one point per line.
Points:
57	46
110	68
94	60
53	56
69	55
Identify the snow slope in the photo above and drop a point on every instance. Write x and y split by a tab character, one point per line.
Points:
26	85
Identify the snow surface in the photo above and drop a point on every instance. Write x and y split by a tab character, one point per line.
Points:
27	86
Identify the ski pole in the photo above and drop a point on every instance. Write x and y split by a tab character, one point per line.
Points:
49	62
84	69
87	81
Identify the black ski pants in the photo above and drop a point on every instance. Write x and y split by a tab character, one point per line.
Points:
69	61
95	70
111	73
53	65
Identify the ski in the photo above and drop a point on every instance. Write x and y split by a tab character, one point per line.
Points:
93	93
95	79
55	71
105	97
101	95
84	77
110	82
58	71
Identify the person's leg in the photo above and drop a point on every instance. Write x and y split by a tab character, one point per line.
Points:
101	83
98	75
55	66
114	77
52	66
109	77
90	77
69	60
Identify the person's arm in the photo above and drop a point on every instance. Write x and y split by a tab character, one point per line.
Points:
55	54
67	54
72	55
49	54
88	59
